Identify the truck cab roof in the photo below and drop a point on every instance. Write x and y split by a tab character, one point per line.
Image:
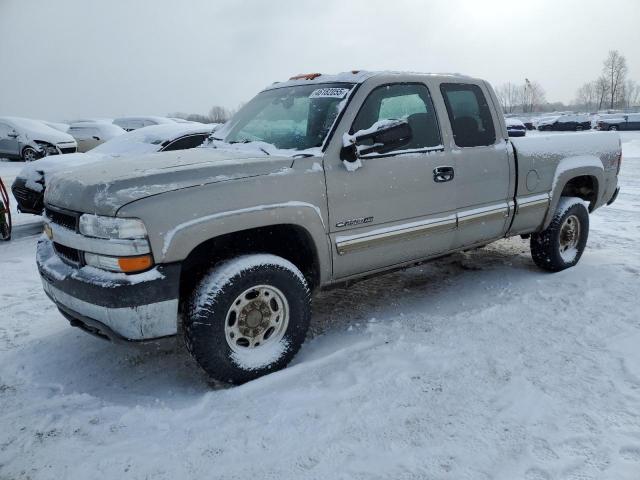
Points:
359	76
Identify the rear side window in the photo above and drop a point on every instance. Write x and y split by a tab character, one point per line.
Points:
410	102
469	114
185	143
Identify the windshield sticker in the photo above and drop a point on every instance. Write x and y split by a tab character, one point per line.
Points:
329	93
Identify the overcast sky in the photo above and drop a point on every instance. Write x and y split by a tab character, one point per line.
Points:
67	58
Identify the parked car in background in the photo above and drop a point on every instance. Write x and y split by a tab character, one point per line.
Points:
133	123
515	128
91	134
544	123
28	140
630	121
571	122
29	186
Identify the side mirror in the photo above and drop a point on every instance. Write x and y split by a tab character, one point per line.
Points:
382	137
13	134
95	137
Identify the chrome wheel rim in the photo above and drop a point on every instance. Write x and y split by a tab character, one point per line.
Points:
569	238
29	155
258	317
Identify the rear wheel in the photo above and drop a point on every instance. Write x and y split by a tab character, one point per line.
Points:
29	154
562	243
248	317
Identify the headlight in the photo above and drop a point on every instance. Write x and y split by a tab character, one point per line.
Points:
47	148
112	227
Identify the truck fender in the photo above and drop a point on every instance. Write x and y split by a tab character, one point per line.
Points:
183	238
568	169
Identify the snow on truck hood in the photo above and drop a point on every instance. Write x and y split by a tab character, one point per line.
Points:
105	186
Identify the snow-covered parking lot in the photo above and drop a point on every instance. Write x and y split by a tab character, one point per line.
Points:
476	366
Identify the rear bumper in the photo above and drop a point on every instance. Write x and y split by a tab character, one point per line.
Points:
614	196
117	307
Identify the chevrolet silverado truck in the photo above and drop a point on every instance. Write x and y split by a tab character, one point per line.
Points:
318	180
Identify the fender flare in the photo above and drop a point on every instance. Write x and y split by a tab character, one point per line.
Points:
183	238
568	169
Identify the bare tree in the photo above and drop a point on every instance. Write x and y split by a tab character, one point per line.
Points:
601	86
631	94
509	96
533	96
586	96
218	114
615	70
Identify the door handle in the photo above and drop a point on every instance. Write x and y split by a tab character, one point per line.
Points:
443	174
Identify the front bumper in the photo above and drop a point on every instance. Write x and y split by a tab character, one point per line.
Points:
28	199
115	306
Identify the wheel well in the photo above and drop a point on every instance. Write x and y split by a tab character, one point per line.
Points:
291	242
584	187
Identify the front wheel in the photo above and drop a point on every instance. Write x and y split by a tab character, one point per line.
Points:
562	243
248	317
29	154
613	127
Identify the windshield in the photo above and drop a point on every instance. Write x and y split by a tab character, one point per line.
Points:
295	118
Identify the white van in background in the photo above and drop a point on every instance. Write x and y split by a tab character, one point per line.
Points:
90	135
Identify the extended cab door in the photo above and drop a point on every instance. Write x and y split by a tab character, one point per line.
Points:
484	169
392	209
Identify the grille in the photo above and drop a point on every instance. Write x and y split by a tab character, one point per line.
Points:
70	255
28	199
66	219
68	150
26	195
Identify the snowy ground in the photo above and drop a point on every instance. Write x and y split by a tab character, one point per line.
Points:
477	366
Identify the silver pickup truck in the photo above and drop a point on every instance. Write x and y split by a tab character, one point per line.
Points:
317	180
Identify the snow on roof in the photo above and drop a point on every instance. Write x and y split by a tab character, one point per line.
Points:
101	126
37	128
157	119
150	139
513	122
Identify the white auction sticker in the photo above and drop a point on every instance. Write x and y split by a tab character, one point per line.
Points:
329	93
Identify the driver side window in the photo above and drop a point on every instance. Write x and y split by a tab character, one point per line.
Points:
5	130
410	102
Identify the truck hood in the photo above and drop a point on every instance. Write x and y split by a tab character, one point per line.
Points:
105	186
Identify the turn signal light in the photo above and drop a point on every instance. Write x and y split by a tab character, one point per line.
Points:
135	264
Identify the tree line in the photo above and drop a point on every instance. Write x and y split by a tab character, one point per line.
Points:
611	90
217	114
